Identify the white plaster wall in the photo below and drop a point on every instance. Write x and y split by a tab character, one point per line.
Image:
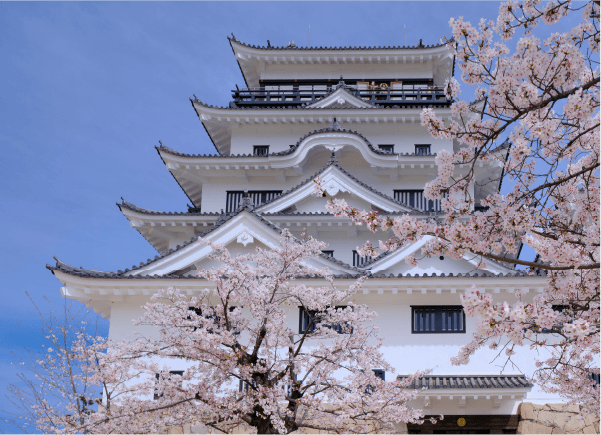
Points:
350	71
280	136
407	352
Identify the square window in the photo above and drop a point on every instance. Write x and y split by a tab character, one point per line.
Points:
422	150
380	374
309	319
387	148
261	150
437	319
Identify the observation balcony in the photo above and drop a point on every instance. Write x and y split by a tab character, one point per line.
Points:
385	93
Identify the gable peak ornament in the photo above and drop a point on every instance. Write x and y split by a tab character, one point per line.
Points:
245	238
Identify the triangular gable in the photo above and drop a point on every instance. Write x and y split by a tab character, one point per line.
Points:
245	229
387	262
340	98
335	180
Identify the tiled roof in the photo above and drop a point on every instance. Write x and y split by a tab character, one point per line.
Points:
468	381
332	128
86	273
326	214
175	178
223	218
304	107
129	206
506	144
334	162
294	47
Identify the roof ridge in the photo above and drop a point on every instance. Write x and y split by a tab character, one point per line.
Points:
303	107
132	207
271	47
88	273
473	381
223	218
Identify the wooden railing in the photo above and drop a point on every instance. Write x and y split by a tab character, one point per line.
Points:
296	95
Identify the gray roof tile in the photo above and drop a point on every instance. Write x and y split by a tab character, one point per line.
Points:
305	107
223	218
129	206
289	47
468	381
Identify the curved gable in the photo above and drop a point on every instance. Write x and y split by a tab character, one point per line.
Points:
394	262
335	180
340	98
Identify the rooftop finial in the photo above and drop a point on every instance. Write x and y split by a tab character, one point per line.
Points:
161	142
268	44
246	202
333	159
334	125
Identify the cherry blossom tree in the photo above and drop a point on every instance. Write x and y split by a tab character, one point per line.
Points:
55	391
535	114
241	365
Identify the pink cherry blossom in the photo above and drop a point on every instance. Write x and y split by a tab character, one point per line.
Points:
544	100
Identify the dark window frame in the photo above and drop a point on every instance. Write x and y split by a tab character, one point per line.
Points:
158	377
380	374
386	148
260	150
414	197
244	386
423	149
213	317
304	319
329	253
234	197
435	316
358	260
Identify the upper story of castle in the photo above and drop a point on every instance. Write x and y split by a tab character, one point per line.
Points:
291	91
350	115
317	68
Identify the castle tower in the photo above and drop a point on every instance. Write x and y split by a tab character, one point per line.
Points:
350	115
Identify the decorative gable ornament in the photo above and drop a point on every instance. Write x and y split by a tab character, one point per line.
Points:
341	98
245	238
333	187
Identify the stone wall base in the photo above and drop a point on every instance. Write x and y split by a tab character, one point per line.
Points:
554	419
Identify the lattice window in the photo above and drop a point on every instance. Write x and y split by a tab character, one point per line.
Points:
422	150
380	374
309	319
437	319
258	197
261	150
358	260
416	199
387	148
210	315
329	253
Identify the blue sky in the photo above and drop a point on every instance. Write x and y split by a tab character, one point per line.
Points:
88	90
